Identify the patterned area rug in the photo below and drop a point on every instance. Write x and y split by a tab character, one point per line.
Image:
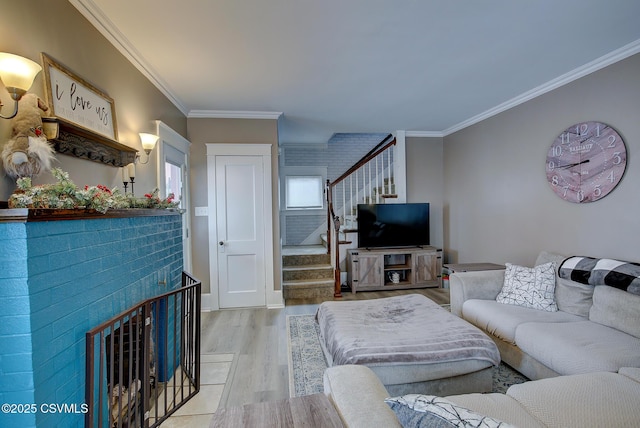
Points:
307	362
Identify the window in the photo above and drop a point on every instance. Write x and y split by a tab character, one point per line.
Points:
173	177
304	192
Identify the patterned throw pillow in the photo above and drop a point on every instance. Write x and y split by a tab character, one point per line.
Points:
530	287
414	410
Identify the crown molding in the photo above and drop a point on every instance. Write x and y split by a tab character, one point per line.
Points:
424	134
104	25
591	67
230	114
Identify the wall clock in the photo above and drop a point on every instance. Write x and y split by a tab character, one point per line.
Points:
586	162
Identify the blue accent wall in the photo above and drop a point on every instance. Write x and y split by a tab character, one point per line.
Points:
60	279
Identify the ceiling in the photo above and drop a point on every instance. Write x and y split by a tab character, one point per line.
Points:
427	67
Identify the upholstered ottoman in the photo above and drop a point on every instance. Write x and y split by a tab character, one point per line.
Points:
411	343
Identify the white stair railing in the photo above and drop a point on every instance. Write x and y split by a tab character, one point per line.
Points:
366	185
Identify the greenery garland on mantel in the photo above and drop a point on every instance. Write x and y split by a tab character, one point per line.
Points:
66	195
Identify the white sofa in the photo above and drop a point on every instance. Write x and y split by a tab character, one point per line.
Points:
595	329
600	399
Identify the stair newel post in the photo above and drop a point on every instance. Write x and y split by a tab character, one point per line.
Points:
331	243
329	202
338	288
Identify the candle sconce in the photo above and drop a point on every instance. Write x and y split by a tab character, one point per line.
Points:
129	172
128	176
148	143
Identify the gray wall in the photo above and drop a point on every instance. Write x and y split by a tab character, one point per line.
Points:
203	131
58	29
497	202
425	175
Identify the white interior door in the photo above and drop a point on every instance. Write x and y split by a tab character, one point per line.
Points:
240	232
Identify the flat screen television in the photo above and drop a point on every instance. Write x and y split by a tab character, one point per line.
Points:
393	225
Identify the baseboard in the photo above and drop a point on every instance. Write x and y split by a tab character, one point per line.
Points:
275	301
205	302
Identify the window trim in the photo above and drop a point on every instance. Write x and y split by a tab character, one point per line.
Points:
313	171
318	180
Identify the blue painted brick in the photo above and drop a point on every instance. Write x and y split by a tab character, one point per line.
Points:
18	397
15	324
63	362
103	266
43	229
23	420
16	363
15	249
19	305
38	264
70	383
13	287
21	342
70	319
12	268
102	224
13	231
41	300
63	340
41	336
15	382
49	245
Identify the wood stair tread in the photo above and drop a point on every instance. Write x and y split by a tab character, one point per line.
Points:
307	267
308	281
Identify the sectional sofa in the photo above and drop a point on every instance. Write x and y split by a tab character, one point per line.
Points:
595	327
601	399
578	340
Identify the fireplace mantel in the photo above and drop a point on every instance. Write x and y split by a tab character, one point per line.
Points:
22	215
73	140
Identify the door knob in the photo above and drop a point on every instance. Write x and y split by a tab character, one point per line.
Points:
221	243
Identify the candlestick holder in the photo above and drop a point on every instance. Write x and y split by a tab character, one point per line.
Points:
125	184
132	179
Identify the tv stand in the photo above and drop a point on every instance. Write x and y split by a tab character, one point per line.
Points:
376	269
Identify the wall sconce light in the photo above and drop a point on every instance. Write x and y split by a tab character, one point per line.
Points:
148	143
17	74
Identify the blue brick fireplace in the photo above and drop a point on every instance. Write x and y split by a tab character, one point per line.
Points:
60	277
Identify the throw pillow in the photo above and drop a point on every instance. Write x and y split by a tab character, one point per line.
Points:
414	410
530	287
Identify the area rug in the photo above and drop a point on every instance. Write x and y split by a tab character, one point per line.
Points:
307	362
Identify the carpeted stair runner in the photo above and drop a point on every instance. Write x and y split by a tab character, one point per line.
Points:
307	276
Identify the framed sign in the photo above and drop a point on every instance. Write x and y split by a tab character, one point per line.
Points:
75	100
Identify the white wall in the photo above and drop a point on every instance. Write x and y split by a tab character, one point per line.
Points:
497	202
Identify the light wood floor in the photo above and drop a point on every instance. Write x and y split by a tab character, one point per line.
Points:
258	338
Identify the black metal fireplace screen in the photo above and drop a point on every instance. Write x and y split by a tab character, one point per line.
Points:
144	364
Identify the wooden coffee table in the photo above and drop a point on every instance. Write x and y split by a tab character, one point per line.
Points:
307	411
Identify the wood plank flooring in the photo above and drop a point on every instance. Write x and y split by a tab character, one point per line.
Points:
258	338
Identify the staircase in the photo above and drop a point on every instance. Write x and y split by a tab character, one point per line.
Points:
368	181
307	276
379	194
